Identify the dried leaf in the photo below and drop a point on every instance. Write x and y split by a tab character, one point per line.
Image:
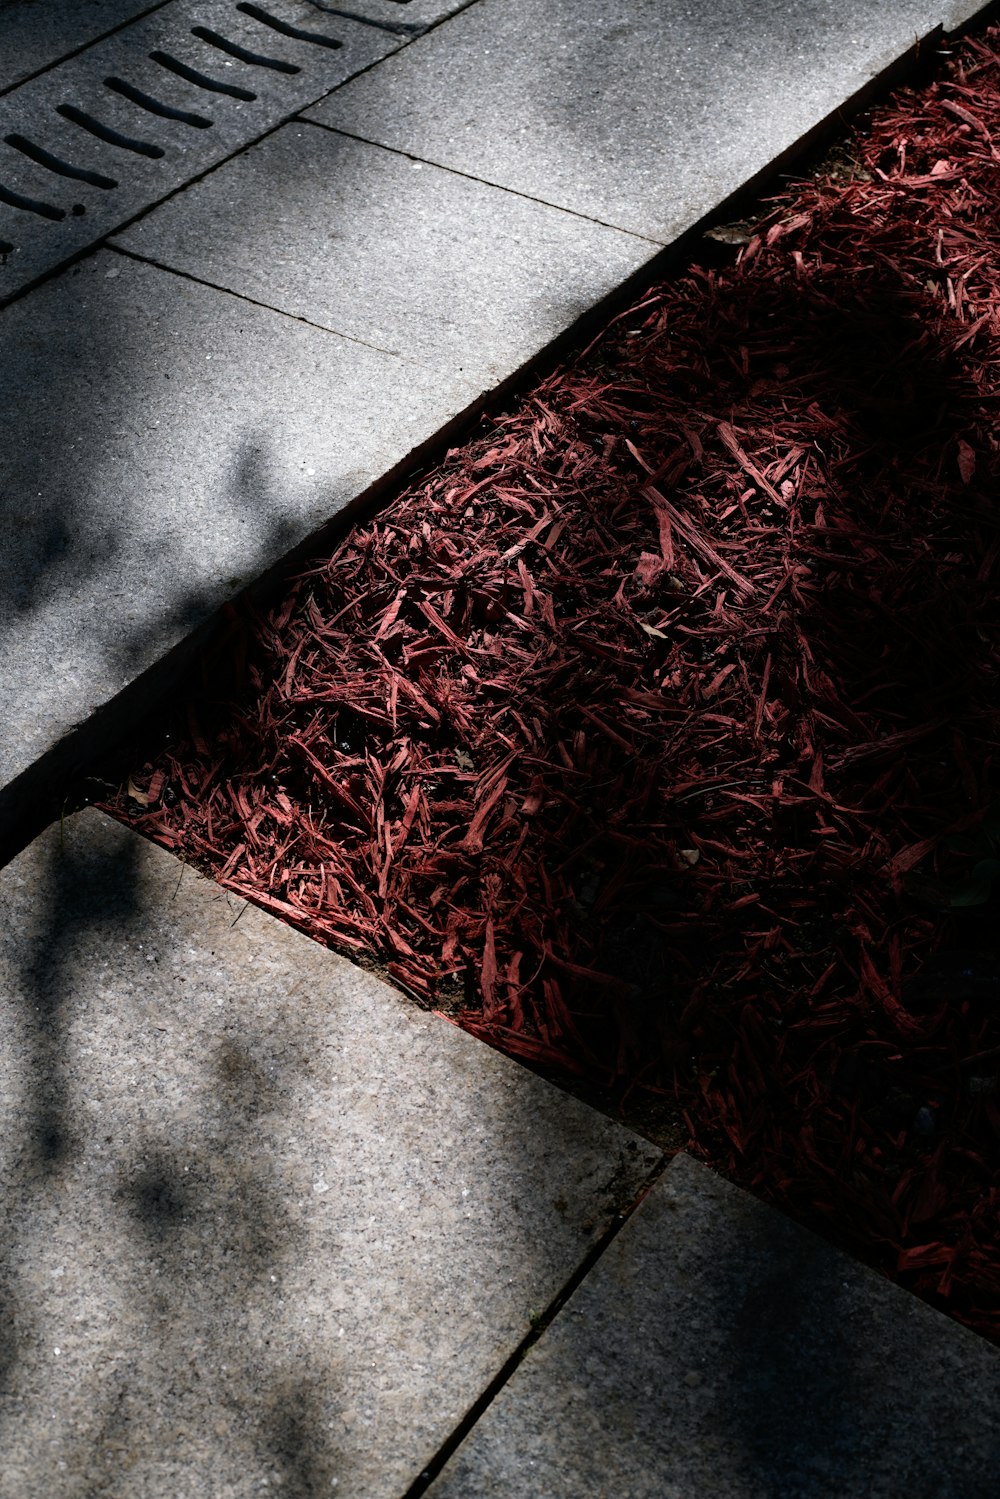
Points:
730	234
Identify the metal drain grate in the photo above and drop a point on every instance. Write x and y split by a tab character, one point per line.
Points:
97	139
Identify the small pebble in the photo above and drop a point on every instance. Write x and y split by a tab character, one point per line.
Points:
923	1124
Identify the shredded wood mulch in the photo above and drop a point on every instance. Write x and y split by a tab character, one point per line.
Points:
653	737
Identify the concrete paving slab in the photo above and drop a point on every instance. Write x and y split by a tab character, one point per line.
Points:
409	17
267	1228
719	1349
429	264
644	115
960	13
34	34
178	91
161	445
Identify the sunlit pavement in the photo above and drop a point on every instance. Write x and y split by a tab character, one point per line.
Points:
267	1228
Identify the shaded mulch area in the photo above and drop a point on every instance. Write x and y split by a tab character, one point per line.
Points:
652	736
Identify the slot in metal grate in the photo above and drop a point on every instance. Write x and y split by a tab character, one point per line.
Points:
110	132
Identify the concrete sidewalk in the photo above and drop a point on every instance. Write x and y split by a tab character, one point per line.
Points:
267	1228
265	1224
305	316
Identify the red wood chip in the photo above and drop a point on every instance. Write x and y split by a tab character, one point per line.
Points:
653	736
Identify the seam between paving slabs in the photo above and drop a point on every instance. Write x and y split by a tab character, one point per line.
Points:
888	78
83	154
181	156
502	187
295	317
398	28
58	778
540	1325
111	244
92	41
897	72
856	101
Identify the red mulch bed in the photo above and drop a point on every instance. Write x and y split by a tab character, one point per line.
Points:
653	735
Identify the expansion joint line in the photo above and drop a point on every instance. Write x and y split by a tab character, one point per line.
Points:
397	28
539	1327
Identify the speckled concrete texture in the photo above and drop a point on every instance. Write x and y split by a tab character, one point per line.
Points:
719	1349
644	115
267	1228
412	259
403	15
161	444
34	34
957	13
288	72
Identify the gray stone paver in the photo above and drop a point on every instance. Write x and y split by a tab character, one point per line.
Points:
36	33
162	444
958	13
267	1228
717	1349
91	210
136	505
426	263
402	13
644	115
